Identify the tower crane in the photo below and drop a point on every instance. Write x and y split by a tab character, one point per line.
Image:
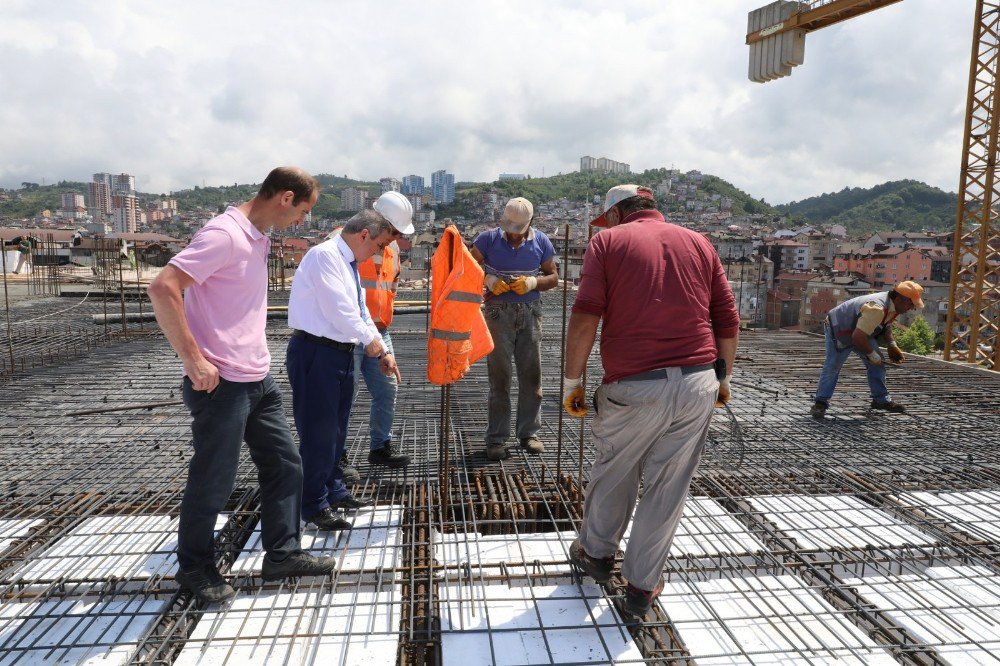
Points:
776	36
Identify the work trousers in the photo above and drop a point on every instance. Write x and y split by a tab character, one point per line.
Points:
834	361
654	432
322	380
381	388
221	420
516	329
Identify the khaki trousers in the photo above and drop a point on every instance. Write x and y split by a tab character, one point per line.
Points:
651	431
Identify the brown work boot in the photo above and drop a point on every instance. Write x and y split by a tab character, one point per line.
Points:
818	410
638	602
598	568
891	407
496	451
532	445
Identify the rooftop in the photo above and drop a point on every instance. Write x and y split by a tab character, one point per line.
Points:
865	538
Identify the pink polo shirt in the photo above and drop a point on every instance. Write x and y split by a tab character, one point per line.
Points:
226	308
661	292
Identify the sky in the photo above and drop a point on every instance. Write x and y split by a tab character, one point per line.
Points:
186	93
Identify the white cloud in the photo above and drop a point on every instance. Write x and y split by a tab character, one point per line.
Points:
187	92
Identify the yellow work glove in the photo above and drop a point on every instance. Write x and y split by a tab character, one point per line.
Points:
725	389
895	353
875	358
523	285
496	285
574	400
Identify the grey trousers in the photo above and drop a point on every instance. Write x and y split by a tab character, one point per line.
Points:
654	432
517	332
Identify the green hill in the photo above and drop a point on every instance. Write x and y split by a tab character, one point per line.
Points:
903	205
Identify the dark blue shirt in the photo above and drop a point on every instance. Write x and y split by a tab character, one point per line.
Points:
508	262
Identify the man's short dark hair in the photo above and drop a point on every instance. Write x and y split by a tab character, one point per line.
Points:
634	204
284	179
371	220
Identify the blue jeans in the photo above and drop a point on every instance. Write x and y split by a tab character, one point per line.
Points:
834	361
221	421
382	390
322	380
517	332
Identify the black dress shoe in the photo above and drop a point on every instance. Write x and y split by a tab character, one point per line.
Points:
299	563
349	503
328	520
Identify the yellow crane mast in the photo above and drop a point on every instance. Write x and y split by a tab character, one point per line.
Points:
776	36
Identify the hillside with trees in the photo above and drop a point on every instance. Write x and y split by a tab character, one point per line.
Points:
904	205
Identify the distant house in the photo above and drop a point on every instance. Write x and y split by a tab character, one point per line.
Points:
823	293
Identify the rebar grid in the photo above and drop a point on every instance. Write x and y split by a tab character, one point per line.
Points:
830	539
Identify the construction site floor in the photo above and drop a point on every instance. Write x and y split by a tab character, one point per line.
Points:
864	538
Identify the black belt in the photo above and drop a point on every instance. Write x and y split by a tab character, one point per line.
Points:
661	373
326	342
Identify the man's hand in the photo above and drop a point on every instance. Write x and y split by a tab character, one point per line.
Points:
387	366
496	285
375	348
725	390
203	375
895	353
875	358
523	285
574	399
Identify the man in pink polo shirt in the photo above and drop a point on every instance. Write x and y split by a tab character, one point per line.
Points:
211	303
669	315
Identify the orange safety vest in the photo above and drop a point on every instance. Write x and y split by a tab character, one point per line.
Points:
380	279
458	336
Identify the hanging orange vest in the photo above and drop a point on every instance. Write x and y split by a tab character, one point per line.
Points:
458	336
380	279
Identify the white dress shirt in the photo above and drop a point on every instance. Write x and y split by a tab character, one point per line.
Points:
324	298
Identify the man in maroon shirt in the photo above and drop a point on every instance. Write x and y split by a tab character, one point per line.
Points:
668	314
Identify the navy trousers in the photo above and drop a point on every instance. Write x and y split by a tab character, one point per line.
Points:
221	421
322	380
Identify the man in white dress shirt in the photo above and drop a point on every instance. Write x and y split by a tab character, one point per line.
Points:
328	314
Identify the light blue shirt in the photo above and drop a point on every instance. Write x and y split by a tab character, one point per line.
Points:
324	299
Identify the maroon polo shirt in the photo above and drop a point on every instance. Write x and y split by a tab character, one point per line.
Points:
661	292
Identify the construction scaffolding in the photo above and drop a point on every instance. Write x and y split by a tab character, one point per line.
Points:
866	538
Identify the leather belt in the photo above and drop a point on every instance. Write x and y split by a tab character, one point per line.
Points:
661	373
326	342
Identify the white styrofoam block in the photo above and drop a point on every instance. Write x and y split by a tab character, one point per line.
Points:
12	530
478	549
776	619
977	511
350	627
373	543
75	631
836	521
126	547
954	609
706	529
542	624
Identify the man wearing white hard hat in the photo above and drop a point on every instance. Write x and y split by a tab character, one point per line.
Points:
380	279
519	262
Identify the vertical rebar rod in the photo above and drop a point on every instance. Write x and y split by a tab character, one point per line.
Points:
138	288
562	348
583	421
121	289
6	307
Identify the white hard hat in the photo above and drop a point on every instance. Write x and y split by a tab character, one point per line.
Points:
397	209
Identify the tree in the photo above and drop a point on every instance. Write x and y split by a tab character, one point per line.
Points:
918	338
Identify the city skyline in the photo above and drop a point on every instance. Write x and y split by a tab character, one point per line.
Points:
179	98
